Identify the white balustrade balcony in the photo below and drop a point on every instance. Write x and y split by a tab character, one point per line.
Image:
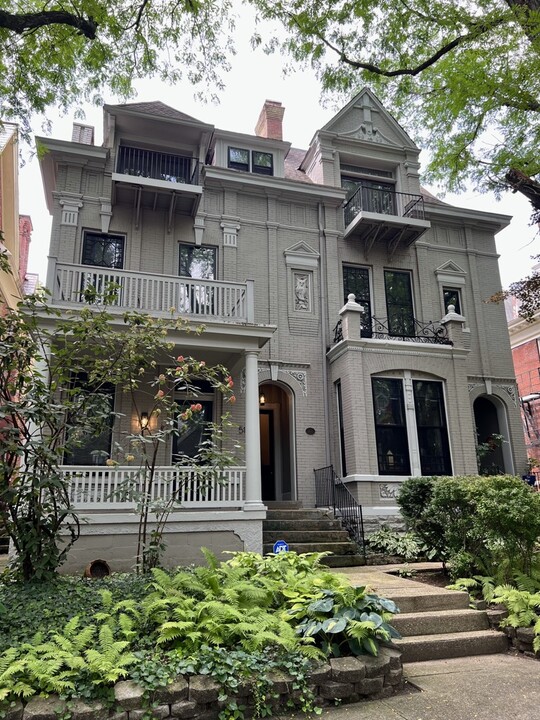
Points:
117	488
74	285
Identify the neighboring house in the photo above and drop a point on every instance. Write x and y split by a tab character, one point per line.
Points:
525	343
16	230
274	241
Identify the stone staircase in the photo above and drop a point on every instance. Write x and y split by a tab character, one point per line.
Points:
309	530
437	624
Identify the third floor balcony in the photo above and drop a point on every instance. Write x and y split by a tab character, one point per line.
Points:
151	178
383	215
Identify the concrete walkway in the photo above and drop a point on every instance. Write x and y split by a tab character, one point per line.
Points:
485	687
488	687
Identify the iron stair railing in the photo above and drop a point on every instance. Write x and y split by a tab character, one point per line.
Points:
331	492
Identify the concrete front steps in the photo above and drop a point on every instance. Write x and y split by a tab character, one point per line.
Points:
309	530
437	624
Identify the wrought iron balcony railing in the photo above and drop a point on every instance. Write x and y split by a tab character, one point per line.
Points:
388	329
383	202
157	165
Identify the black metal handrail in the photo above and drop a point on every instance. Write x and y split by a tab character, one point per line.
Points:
384	202
331	492
157	165
411	331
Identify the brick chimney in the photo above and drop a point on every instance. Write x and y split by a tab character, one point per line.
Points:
82	134
270	122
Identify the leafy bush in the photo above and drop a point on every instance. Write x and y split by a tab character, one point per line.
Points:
389	542
481	525
285	608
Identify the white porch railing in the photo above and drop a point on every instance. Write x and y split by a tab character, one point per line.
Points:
116	488
212	299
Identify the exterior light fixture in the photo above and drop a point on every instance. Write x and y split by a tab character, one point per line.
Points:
262	399
144	420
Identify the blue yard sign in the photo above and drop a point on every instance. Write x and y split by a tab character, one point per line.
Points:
280	546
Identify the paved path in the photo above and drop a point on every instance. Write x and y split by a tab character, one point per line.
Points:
488	687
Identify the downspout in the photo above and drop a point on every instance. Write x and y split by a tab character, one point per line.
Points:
324	325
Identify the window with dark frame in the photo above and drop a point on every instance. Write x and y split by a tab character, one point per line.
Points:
238	159
198	261
391	430
452	296
95	449
390	427
372	195
262	163
431	428
103	250
256	161
339	401
399	303
356	280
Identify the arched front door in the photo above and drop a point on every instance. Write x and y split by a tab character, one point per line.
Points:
277	465
490	420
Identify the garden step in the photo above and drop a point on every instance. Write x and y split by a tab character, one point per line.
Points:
338	561
283	504
297	515
440	622
417	598
312	525
418	648
305	536
338	548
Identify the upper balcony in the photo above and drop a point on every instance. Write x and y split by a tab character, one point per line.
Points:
383	215
76	285
396	328
158	180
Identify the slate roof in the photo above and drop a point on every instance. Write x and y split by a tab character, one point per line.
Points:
292	164
157	109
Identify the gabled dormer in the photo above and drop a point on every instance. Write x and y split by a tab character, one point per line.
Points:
364	150
157	154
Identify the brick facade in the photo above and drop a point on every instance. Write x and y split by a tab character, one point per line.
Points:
274	216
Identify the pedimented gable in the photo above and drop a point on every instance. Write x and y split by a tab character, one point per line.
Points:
301	255
451	272
365	118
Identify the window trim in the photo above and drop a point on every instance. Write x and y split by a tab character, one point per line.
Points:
407	380
453	289
233	165
411	288
87	232
251	166
262	169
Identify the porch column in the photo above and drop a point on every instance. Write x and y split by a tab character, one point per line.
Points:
253	439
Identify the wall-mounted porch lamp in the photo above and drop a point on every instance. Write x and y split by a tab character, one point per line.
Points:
144	420
262	399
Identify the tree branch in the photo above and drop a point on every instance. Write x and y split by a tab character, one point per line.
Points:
21	23
479	29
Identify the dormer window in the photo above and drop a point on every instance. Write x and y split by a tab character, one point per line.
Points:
253	161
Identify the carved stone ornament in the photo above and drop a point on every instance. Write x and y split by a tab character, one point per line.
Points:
389	492
302	291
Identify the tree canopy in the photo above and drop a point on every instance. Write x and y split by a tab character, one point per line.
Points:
63	53
461	75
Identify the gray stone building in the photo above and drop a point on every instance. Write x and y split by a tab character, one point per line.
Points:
347	302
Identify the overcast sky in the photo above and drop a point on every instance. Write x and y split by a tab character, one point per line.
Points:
254	78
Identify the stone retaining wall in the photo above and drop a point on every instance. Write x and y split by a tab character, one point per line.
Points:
348	679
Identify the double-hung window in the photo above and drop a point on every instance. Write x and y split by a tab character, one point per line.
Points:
422	428
356	281
200	263
399	303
